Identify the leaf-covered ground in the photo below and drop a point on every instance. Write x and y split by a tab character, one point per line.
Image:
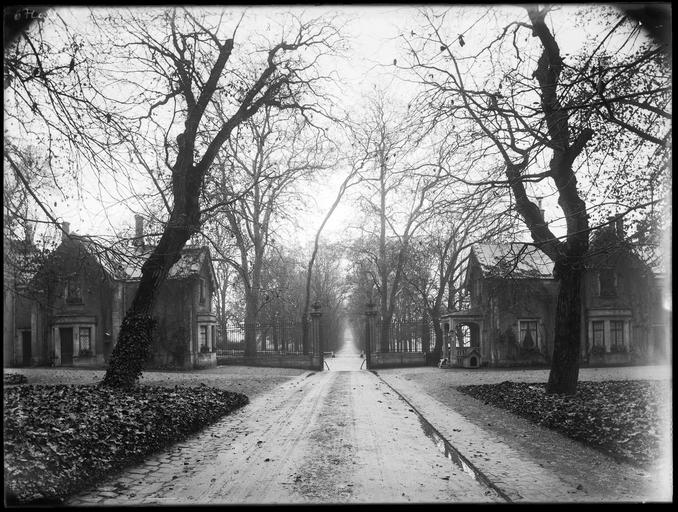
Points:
14	378
621	418
60	438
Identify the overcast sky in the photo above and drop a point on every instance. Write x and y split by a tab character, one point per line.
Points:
373	33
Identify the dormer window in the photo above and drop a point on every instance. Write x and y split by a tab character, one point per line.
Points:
607	283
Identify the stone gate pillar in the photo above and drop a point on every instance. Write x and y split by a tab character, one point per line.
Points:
316	342
370	331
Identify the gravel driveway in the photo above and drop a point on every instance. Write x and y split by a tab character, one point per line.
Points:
331	437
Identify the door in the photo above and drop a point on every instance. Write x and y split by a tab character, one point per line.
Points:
66	336
26	347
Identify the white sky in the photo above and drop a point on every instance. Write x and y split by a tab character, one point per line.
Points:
373	35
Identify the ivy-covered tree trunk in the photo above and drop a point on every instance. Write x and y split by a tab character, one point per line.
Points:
134	341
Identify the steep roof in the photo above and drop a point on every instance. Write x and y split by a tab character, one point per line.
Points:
608	248
190	262
124	262
515	260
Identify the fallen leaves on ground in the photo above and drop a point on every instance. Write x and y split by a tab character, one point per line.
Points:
14	378
61	438
620	418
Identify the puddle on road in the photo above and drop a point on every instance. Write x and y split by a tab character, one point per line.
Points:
451	453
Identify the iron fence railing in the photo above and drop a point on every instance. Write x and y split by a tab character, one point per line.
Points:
413	336
270	338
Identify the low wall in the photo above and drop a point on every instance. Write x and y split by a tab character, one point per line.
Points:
191	361
205	360
96	361
514	363
397	359
610	358
304	362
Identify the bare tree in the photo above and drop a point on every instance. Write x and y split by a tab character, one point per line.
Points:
272	155
171	83
400	191
437	259
522	120
349	181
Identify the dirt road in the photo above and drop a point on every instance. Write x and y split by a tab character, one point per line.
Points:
331	437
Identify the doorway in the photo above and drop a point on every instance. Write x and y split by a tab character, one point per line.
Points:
66	337
26	353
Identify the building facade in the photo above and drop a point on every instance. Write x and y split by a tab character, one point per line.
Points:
21	259
81	292
510	317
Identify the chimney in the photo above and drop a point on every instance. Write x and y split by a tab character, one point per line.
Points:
617	223
29	233
619	226
138	230
66	228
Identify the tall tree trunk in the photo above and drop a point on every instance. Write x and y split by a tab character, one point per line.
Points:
385	331
305	329
251	307
133	346
567	343
426	333
437	351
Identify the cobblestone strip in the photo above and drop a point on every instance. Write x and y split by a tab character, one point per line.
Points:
520	476
167	472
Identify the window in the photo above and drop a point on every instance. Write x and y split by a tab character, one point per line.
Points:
617	333
202	291
528	334
203	336
85	335
73	290
214	335
598	333
464	336
607	281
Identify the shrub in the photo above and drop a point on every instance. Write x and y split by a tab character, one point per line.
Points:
597	350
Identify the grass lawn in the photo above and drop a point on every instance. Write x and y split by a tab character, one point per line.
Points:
625	419
60	438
